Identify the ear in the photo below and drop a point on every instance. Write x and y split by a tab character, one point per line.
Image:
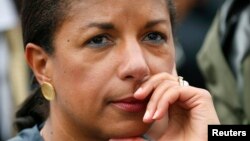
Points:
38	60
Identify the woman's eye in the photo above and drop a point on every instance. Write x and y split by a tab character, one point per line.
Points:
99	41
155	38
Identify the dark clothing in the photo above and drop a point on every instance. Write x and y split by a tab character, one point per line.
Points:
29	134
33	134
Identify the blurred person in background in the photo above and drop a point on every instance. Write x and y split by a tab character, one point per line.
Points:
13	77
194	19
225	62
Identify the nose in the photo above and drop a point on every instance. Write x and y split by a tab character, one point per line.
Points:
134	65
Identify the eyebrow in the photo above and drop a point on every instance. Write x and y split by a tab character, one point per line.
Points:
109	26
104	26
155	22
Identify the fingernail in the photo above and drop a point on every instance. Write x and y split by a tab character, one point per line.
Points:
138	91
156	115
147	115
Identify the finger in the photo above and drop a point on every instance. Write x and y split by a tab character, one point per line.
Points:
191	98
155	98
169	97
147	87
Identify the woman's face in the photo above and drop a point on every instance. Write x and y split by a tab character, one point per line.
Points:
104	50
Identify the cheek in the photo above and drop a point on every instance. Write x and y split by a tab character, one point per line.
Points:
71	85
82	89
77	89
77	80
80	81
162	65
163	61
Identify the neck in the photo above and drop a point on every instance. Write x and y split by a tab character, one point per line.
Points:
58	127
51	132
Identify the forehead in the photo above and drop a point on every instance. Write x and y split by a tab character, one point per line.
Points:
107	4
125	9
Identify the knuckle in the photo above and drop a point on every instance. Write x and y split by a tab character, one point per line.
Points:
206	94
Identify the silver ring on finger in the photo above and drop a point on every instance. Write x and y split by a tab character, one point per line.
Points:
182	82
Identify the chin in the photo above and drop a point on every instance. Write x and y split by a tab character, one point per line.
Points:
130	130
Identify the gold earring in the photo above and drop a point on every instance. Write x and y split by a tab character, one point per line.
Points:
48	91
